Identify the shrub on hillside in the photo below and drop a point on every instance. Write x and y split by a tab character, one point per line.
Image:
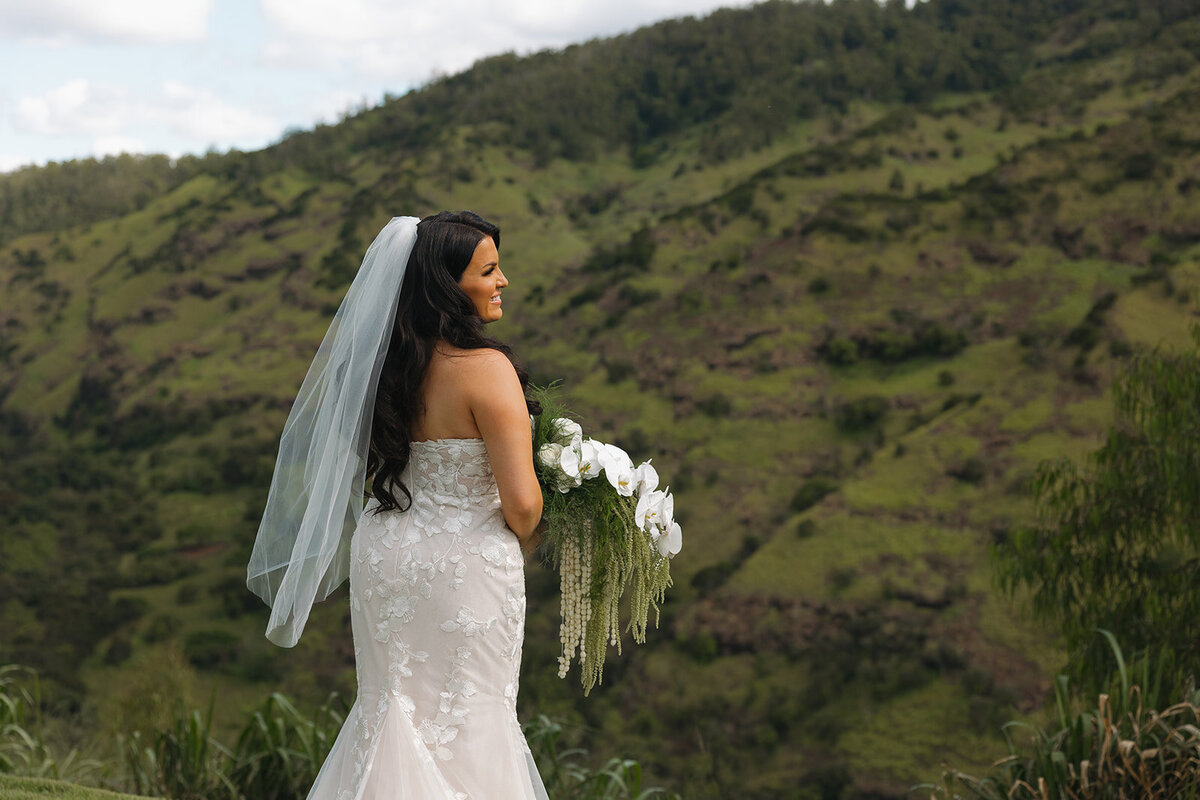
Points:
210	648
161	627
717	405
861	414
971	470
636	252
889	346
923	338
841	351
236	599
811	492
155	567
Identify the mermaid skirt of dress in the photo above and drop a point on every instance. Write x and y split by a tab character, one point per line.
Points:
437	607
379	754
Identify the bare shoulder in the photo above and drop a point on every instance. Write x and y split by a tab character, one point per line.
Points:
485	361
475	370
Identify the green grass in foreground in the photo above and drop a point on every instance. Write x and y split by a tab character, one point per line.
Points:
12	788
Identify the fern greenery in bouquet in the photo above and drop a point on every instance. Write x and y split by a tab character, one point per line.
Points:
611	529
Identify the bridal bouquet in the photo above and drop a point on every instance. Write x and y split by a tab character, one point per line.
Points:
611	527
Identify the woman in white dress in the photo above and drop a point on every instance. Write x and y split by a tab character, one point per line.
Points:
435	560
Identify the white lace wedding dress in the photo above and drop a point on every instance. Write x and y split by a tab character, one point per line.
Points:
437	606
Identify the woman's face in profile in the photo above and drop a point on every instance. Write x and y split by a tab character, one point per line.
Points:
482	280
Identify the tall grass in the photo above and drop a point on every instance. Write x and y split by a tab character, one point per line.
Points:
23	748
1123	747
280	751
276	757
183	762
568	778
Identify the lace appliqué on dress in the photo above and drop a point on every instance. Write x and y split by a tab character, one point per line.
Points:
437	590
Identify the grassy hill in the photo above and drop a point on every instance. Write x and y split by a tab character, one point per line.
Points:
845	333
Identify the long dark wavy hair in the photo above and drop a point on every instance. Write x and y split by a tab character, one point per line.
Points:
431	308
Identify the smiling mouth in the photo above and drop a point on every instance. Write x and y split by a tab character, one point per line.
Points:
495	299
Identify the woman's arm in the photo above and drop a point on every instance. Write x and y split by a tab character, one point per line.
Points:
494	396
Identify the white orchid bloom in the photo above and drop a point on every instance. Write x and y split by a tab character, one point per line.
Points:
649	510
670	542
567	431
666	510
665	533
618	468
590	458
646	478
549	454
568	460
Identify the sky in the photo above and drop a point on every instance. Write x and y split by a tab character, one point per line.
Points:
81	78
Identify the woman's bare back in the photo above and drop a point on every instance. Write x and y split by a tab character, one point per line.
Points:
475	394
445	412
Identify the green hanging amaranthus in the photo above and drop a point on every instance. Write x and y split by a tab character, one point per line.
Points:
611	529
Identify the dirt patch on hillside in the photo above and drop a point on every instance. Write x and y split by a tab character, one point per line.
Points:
202	550
802	628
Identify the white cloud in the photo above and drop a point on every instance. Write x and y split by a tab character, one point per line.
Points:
115	145
202	116
61	22
10	162
114	116
77	107
332	106
384	39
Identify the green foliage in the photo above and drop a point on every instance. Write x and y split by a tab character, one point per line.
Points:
277	754
23	747
820	285
635	253
970	470
81	191
211	647
717	405
923	338
861	414
566	776
182	762
12	788
1088	333
840	350
1140	740
1117	548
280	750
812	491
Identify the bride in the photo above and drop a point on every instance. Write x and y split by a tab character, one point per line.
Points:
408	390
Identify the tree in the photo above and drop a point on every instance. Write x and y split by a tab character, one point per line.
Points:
1118	545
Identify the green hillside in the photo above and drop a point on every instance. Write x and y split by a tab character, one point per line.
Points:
846	272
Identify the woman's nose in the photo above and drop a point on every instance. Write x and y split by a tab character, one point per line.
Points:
503	280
